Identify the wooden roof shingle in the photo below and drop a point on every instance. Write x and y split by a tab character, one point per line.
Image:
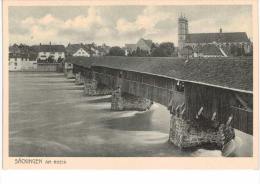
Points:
217	37
231	73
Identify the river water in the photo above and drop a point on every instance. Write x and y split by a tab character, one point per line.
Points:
50	116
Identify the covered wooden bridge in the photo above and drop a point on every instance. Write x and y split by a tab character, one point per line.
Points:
212	90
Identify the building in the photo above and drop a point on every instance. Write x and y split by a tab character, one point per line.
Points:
220	43
49	53
22	62
143	44
77	50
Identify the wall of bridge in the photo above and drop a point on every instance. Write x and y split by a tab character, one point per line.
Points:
155	88
221	101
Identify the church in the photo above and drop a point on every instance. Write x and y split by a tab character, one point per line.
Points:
219	44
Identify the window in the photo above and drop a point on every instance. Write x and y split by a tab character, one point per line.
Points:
180	86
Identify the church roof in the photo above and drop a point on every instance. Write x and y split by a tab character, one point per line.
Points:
217	37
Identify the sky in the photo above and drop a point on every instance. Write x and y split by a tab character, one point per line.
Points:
118	25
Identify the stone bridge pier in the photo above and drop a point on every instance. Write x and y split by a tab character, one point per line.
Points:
121	100
199	132
124	101
68	71
79	79
93	86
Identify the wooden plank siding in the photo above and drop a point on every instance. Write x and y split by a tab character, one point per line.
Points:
243	120
216	100
87	72
157	89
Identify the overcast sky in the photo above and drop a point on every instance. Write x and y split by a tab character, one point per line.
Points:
117	25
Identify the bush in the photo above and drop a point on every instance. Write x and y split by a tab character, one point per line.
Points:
116	51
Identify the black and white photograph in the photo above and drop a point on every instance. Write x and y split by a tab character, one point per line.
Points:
130	81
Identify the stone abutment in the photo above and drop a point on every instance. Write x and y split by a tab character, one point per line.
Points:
93	88
123	101
191	134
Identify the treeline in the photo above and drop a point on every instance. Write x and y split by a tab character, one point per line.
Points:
166	49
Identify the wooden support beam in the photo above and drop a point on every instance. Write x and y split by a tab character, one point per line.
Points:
199	113
182	105
213	116
244	103
170	103
172	110
183	111
229	120
177	110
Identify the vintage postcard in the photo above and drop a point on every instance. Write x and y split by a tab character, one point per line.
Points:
130	84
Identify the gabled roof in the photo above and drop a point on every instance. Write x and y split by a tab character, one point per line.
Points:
14	49
217	37
229	73
73	48
210	50
147	42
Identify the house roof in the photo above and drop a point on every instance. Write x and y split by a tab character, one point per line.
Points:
217	37
147	42
49	48
30	56
230	73
73	48
210	50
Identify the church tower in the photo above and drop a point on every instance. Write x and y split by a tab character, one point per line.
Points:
182	31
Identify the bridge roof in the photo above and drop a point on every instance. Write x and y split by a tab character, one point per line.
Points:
80	61
230	73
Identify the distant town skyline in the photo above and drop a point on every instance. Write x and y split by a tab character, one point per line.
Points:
118	25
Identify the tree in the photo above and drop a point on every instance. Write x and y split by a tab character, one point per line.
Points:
139	53
165	49
116	51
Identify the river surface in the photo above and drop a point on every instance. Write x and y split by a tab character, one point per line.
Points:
50	116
